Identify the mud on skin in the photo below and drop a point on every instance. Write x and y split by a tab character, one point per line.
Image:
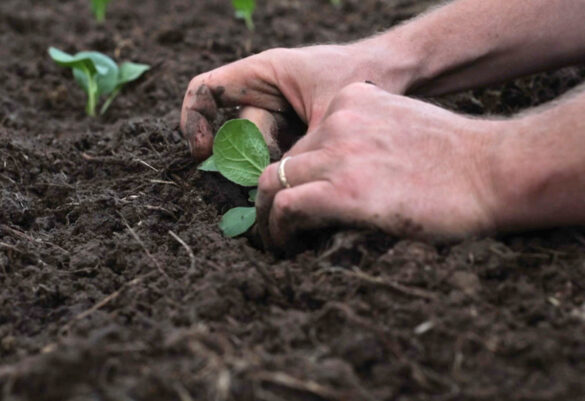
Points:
86	313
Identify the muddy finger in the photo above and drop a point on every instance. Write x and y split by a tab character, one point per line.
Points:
201	99
199	135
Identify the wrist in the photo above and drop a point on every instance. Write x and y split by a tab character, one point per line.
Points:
390	60
535	175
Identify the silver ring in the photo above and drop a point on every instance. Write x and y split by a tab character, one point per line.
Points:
281	174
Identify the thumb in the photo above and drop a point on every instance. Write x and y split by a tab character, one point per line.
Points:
279	131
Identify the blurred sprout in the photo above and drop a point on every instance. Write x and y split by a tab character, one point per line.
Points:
244	10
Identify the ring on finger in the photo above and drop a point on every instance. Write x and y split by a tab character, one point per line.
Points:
281	174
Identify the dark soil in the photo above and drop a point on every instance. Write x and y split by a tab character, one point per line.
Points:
99	301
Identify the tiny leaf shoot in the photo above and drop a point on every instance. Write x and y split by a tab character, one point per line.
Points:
98	75
252	195
209	165
244	10
98	7
105	79
128	72
240	154
237	221
336	3
85	71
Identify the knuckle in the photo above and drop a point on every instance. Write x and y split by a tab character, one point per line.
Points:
340	120
284	205
347	188
275	54
265	179
356	89
271	64
351	96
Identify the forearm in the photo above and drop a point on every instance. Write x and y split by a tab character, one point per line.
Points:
470	43
539	167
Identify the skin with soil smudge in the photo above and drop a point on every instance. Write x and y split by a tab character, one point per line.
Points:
93	310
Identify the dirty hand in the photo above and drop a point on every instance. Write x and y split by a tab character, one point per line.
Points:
273	82
383	161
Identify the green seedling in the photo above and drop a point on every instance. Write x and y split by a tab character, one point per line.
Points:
98	7
336	3
244	10
98	75
240	154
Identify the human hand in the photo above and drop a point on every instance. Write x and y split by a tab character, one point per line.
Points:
380	160
274	82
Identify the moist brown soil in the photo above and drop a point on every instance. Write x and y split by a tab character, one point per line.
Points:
99	301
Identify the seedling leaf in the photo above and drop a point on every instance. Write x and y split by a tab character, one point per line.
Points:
77	61
107	72
244	10
85	72
98	75
208	165
130	72
127	72
252	195
240	152
98	7
237	221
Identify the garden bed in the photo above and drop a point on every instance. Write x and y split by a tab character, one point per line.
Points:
116	283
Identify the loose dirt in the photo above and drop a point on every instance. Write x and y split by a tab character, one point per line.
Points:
99	300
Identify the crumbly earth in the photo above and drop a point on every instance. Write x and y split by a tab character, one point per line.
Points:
116	284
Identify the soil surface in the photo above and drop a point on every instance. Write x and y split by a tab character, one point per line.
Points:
116	284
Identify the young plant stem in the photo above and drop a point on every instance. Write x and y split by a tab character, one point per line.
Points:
100	15
91	93
249	22
99	10
109	101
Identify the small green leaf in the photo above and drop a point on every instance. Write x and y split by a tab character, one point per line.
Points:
130	72
77	62
237	221
208	165
240	152
252	195
244	10
107	69
85	72
98	7
244	6
127	72
98	75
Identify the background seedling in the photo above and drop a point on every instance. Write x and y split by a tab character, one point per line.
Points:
245	10
98	75
98	7
240	154
127	72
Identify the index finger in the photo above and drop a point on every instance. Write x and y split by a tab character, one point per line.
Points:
250	81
